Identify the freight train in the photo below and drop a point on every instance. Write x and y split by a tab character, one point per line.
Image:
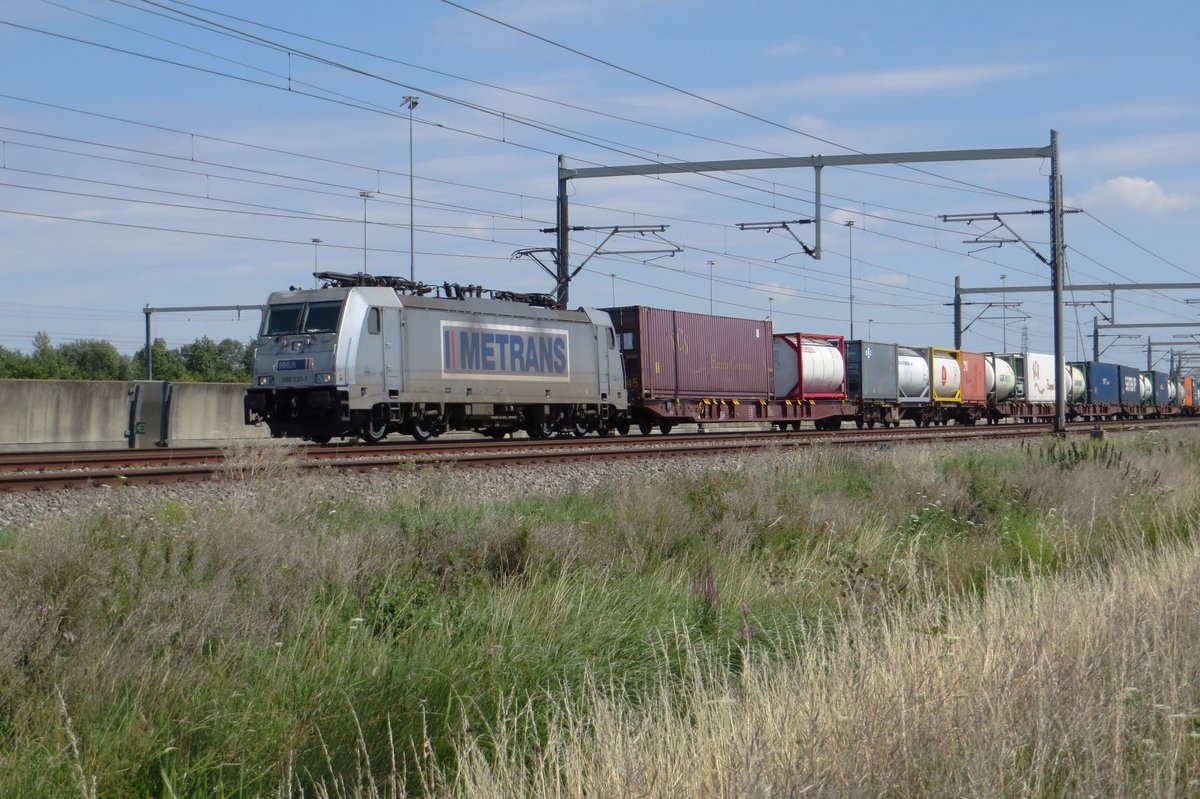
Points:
366	356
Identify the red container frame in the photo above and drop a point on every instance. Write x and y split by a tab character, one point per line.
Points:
797	347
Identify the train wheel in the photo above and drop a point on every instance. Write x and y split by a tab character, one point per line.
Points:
796	425
320	439
871	425
859	423
603	432
665	428
422	431
374	431
580	428
497	434
645	428
539	430
623	427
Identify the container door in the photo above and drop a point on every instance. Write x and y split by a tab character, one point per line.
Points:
393	373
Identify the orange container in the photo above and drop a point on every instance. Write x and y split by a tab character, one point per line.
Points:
1189	394
974	377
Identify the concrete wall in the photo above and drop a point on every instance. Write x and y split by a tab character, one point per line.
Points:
203	412
78	414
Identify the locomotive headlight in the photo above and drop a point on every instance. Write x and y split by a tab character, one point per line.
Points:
266	380
324	378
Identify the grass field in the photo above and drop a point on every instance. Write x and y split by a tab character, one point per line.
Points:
921	621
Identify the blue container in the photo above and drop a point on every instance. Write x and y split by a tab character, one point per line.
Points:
1103	383
1162	388
1131	391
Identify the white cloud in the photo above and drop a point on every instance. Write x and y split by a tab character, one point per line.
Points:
888	279
911	80
1137	194
1156	148
923	79
799	46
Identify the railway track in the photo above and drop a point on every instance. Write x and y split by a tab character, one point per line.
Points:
49	471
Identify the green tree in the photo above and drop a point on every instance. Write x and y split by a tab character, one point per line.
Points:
94	360
168	364
45	362
13	364
202	359
233	360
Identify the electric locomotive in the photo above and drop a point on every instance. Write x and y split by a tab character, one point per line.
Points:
367	356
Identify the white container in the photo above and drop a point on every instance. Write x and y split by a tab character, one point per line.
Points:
1001	382
822	363
1039	378
914	375
947	376
1078	384
1147	388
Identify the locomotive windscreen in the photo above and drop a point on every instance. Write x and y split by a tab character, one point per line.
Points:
313	317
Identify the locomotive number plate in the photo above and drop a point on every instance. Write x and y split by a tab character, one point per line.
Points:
293	364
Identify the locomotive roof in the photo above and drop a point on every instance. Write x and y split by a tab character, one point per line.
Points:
470	305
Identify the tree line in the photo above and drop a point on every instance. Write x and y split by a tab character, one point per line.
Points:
202	361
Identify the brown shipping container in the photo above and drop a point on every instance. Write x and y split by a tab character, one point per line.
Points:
974	377
694	356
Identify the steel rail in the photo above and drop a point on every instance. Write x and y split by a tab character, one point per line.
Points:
491	454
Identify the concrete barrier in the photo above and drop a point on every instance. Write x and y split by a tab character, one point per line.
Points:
95	414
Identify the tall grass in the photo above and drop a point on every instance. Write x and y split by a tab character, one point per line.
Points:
419	641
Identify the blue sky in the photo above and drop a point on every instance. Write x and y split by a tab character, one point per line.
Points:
186	154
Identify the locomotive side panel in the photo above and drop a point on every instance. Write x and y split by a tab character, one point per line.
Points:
466	354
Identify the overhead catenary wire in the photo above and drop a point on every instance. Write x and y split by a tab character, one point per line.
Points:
898	239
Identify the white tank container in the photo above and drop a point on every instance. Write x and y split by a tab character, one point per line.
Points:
1001	382
946	377
1078	383
823	365
1173	393
1146	385
914	374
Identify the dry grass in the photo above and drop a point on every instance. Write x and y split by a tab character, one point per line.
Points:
1079	687
915	622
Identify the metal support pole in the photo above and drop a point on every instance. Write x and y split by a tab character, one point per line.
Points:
562	290
817	209
1095	338
850	233
411	102
365	195
957	312
149	351
1059	266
